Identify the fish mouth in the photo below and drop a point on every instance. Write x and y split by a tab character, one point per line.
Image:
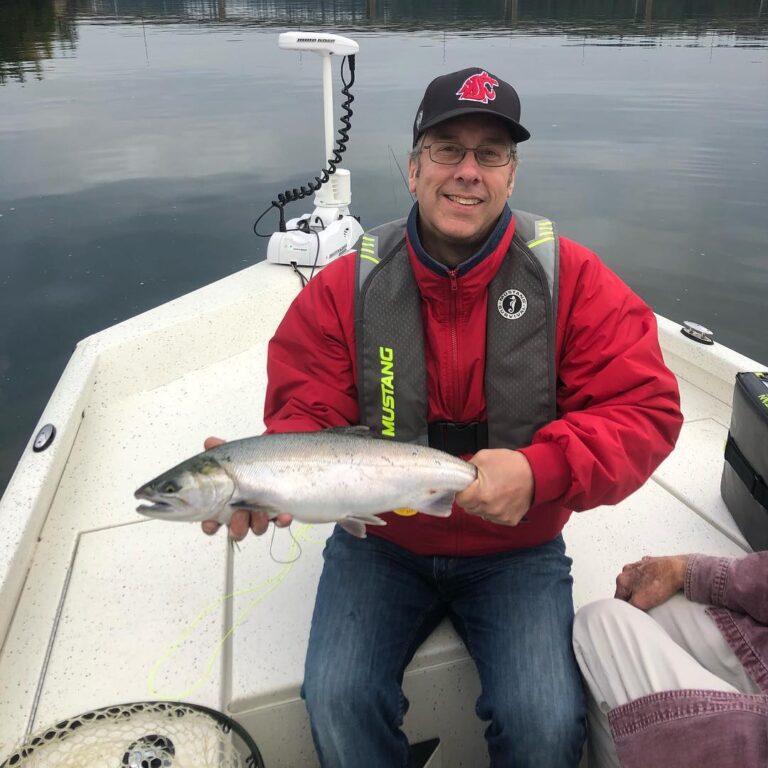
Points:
146	494
157	506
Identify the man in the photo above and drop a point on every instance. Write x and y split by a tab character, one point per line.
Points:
484	334
677	666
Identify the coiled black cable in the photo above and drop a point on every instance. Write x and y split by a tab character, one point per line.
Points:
292	195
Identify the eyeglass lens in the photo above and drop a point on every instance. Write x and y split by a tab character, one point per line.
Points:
449	153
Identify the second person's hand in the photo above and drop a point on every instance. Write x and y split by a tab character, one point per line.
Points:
651	581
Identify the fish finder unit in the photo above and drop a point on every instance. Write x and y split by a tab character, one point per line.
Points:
330	230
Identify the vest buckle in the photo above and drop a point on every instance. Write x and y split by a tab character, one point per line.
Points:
458	438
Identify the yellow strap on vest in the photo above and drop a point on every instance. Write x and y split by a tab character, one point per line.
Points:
544	233
368	249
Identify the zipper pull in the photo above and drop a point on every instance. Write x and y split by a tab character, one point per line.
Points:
454	275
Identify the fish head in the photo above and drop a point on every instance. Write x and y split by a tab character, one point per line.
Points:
198	489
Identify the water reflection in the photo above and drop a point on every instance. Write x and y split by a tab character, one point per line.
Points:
415	14
30	30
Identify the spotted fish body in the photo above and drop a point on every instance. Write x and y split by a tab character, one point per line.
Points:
340	475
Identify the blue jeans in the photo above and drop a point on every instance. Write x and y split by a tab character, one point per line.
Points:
377	602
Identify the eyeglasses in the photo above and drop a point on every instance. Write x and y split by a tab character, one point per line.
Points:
450	153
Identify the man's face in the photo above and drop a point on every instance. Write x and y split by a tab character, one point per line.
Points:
460	204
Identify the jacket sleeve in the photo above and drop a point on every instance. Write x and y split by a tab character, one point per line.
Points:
738	584
618	404
310	359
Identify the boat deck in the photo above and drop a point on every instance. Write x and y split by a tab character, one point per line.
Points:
100	606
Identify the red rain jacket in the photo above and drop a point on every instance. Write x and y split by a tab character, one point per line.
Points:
618	404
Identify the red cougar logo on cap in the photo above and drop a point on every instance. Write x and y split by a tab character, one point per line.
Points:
478	87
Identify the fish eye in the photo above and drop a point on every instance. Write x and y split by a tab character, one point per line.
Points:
169	487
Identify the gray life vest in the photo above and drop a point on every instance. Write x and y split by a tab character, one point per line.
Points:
520	336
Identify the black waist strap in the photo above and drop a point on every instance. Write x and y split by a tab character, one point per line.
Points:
746	472
458	439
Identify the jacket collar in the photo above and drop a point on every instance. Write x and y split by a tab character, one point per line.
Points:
487	249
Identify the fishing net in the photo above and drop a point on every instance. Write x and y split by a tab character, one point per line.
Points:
141	735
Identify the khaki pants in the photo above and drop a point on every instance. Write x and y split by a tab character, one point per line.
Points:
625	654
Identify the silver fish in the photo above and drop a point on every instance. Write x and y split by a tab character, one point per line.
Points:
341	475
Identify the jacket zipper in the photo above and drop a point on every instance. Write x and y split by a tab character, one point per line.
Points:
453	274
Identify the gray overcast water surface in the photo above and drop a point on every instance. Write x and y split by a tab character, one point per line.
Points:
140	140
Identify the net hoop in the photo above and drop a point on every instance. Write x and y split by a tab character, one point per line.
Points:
177	726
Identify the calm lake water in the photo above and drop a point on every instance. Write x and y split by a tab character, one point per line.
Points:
140	140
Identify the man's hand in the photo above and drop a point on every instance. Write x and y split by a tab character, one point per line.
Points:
242	519
651	581
503	490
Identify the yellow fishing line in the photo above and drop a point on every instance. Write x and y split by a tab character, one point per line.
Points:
264	589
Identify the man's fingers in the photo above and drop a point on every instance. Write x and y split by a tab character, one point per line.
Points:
239	524
212	442
259	522
468	499
244	520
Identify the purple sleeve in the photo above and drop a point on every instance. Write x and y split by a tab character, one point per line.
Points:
739	584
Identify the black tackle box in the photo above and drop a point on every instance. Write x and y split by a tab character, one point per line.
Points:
744	484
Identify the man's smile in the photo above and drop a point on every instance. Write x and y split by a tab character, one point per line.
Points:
468	201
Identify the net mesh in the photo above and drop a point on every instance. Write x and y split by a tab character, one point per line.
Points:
140	735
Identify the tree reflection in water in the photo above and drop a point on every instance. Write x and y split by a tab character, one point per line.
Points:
31	30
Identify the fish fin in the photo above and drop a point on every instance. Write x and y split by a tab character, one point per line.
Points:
367	519
355	524
439	505
358	430
354	527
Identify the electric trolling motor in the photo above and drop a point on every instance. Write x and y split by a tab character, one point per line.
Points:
330	230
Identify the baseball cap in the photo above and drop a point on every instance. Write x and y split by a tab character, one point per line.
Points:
471	90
